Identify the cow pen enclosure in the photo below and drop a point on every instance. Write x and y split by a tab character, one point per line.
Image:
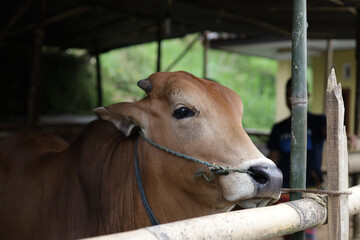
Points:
258	223
333	206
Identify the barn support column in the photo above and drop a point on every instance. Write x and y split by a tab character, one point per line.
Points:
206	48
159	40
298	103
33	95
98	74
98	80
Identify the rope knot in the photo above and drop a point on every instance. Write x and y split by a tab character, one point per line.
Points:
220	169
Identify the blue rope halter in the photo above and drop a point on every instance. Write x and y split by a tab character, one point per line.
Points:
146	204
214	169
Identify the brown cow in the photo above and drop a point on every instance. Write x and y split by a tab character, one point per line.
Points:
49	190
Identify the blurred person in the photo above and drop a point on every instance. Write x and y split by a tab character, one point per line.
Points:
353	142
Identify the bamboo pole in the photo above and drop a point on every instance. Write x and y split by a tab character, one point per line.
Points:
298	103
249	224
298	99
337	161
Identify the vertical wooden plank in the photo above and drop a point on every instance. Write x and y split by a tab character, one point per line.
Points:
98	80
98	73
159	40
33	101
337	161
206	47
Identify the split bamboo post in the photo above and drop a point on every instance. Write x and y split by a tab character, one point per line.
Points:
250	224
337	161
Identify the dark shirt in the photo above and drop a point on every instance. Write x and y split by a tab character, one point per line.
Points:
280	140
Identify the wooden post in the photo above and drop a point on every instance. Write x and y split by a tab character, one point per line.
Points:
98	80
33	101
160	35
337	161
206	47
98	73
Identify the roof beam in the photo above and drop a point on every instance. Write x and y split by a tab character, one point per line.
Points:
231	16
16	17
352	10
46	21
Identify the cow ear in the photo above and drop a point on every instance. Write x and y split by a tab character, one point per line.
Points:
122	120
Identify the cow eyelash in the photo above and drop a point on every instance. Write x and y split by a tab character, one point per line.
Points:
183	112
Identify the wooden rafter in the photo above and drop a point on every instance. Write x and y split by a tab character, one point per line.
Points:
46	21
16	17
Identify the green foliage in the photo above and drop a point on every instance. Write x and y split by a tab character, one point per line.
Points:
253	78
123	68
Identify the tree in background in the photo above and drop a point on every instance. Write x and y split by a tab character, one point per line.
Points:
253	78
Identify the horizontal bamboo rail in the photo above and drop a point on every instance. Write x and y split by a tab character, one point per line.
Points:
256	223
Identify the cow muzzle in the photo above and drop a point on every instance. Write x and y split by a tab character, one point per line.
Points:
260	187
268	179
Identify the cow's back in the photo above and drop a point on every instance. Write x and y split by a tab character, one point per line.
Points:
49	190
19	148
19	155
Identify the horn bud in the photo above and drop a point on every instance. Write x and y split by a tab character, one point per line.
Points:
145	85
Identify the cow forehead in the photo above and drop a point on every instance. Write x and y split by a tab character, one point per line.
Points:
186	85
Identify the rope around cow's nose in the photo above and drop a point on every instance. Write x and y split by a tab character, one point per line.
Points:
214	169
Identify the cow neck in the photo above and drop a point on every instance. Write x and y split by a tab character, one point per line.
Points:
214	169
146	204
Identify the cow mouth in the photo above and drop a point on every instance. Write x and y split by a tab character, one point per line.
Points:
255	202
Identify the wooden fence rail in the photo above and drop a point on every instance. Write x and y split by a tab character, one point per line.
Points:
257	223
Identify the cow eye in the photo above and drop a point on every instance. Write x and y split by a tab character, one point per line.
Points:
183	112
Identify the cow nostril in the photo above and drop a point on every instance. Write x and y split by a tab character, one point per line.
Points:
259	175
268	180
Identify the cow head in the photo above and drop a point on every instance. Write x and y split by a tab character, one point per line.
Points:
202	119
